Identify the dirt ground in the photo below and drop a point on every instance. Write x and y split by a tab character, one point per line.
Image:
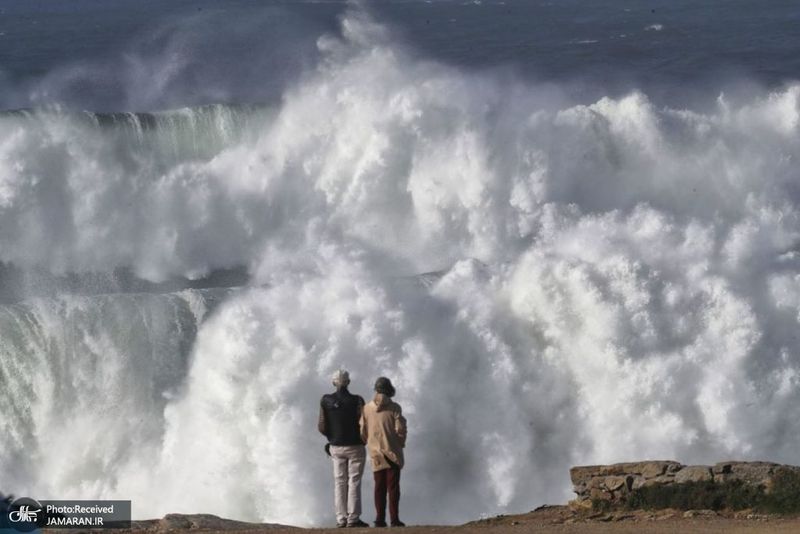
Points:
550	519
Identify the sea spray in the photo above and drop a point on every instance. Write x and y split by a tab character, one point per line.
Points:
85	381
606	281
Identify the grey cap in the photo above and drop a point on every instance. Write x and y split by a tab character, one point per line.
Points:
341	378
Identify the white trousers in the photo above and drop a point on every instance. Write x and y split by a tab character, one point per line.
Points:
348	466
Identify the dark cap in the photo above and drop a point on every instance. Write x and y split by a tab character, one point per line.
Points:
384	385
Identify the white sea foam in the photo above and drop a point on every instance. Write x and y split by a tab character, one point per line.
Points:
618	281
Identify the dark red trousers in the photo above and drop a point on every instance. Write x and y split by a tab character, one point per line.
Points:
387	481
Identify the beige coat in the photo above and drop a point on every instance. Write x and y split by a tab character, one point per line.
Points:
383	429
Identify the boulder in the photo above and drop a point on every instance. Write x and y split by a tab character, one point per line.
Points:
580	505
693	473
597	494
614	483
699	513
755	473
659	481
655	469
172	522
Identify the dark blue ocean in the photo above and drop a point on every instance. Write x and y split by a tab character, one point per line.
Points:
83	53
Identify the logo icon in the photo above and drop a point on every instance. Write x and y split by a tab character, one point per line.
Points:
25	515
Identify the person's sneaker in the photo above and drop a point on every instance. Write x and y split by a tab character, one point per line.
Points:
398	524
380	524
357	524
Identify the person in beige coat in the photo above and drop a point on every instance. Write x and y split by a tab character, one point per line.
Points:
383	429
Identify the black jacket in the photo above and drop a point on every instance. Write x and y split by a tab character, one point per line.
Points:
339	414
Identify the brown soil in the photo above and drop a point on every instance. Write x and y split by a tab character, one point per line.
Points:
550	519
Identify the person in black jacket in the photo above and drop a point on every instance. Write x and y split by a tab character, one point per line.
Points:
339	414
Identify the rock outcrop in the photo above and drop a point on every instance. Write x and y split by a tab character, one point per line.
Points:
614	483
206	522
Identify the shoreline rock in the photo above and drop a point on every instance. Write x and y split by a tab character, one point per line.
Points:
613	483
172	522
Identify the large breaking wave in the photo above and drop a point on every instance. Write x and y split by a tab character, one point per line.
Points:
608	281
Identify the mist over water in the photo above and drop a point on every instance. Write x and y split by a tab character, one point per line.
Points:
547	283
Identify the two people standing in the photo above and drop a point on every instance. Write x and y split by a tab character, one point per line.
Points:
349	423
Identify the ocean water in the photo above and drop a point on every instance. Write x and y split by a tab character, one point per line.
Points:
569	231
